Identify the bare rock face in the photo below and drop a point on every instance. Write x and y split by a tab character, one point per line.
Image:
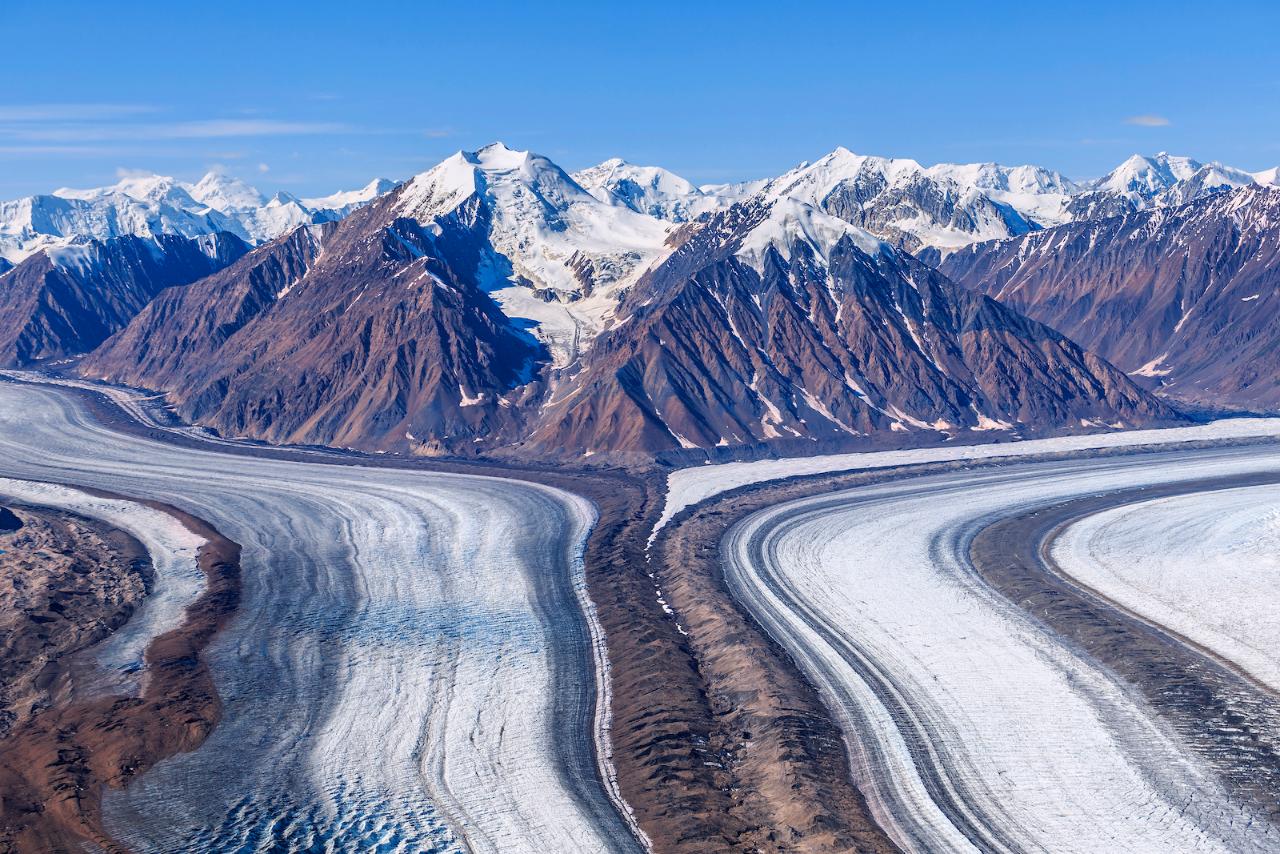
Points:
66	301
1184	297
721	346
360	334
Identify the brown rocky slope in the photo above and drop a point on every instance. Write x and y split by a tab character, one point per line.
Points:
721	346
1186	297
67	301
357	334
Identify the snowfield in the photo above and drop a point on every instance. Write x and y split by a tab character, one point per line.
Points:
688	486
414	665
1215	577
971	726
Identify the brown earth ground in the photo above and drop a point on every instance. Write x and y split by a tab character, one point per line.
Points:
54	763
66	582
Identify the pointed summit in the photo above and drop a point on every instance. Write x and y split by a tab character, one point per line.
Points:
225	193
649	190
1144	176
345	201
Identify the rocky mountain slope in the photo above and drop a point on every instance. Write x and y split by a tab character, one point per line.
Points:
494	304
369	333
66	301
775	323
1184	296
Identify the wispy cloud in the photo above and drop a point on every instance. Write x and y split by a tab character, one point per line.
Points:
70	112
1147	120
218	128
127	131
84	150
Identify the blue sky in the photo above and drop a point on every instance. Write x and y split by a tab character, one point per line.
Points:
322	96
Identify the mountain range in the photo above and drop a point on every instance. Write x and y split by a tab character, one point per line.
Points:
498	304
151	205
939	208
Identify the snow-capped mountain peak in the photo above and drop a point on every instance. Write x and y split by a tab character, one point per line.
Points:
1009	179
561	255
224	193
149	205
141	187
568	235
790	222
815	181
348	200
540	215
283	198
906	203
1268	177
1145	176
649	190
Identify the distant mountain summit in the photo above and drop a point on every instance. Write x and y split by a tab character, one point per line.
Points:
154	205
224	193
649	190
928	210
932	210
344	202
